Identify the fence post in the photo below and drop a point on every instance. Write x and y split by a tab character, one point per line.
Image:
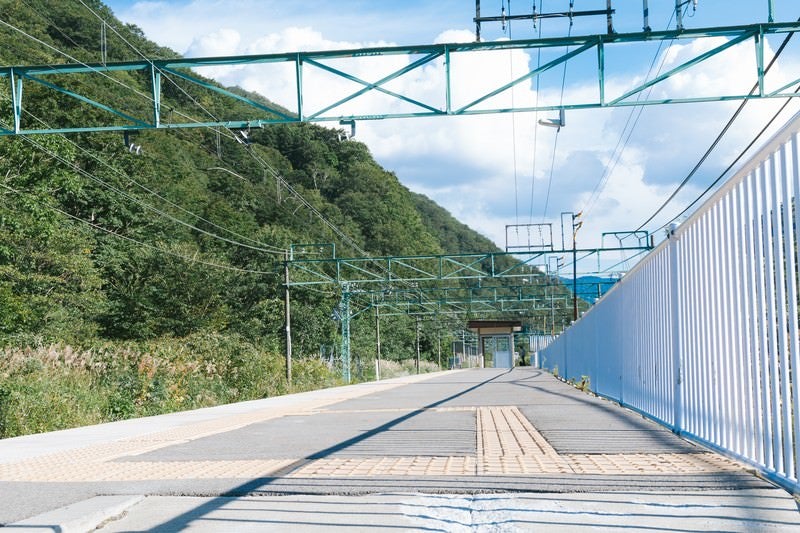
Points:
675	318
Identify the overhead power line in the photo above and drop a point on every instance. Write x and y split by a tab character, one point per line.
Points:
146	245
261	161
735	161
616	155
719	137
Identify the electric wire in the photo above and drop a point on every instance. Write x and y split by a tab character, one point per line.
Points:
555	141
134	199
264	164
262	247
616	155
720	136
734	162
146	245
535	119
513	124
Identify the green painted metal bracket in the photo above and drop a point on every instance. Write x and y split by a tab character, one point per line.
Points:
418	57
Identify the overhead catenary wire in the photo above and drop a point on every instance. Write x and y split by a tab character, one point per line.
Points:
146	245
558	131
261	161
719	137
535	119
513	124
132	198
616	155
734	162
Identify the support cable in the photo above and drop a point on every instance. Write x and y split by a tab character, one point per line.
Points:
734	162
558	131
144	244
535	117
616	155
719	137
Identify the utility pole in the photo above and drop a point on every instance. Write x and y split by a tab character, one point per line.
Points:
288	318
439	346
344	312
575	227
417	345
378	343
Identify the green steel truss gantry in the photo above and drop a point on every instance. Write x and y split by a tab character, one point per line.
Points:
153	110
392	270
466	285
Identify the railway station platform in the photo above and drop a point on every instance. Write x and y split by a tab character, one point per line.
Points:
468	450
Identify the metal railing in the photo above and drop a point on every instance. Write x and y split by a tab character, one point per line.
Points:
702	335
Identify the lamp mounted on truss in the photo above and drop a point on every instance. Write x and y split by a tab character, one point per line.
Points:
559	122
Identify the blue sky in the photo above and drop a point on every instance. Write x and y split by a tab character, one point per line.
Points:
487	170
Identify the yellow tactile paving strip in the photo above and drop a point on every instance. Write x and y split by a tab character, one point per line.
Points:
388	466
507	445
651	463
145	471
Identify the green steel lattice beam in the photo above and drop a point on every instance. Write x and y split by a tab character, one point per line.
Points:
418	57
385	271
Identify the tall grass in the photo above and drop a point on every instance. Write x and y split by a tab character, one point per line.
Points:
405	367
50	387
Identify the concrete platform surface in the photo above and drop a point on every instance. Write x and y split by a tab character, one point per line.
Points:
504	450
754	510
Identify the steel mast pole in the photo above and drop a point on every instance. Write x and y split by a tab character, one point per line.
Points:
575	228
288	318
378	343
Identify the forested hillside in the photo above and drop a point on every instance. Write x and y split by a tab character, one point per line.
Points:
132	284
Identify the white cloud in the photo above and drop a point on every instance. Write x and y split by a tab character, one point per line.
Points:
222	42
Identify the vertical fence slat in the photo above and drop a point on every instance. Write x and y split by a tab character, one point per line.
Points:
794	237
772	341
741	398
743	295
778	206
754	325
761	314
731	400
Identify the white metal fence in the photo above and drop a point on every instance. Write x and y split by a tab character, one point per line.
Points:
702	335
